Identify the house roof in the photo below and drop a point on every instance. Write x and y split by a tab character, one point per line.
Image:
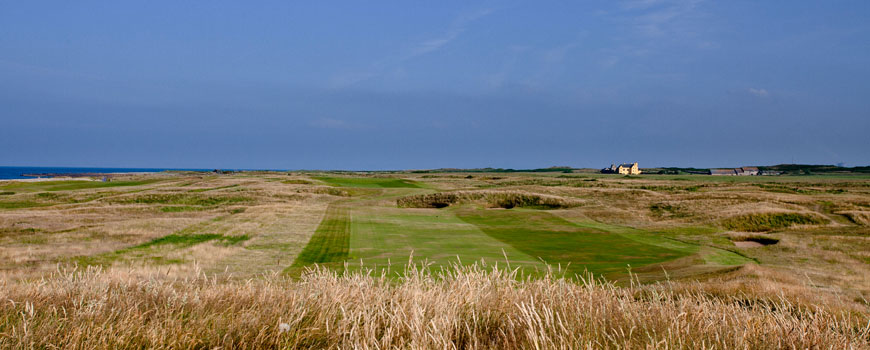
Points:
627	165
750	168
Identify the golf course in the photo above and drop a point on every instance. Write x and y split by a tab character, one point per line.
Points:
330	250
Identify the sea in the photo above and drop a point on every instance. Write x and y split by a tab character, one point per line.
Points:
14	172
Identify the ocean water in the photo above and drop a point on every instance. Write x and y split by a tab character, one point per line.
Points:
11	172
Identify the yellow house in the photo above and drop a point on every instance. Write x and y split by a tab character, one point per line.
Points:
624	169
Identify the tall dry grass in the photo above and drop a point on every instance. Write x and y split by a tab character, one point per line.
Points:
465	307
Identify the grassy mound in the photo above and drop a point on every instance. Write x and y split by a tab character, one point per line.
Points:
368	182
496	199
769	221
665	210
188	199
857	217
297	182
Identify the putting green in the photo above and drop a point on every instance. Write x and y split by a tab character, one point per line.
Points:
558	241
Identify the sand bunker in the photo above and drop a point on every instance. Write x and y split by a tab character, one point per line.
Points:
748	244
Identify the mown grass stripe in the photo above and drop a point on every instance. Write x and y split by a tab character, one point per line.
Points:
385	239
331	241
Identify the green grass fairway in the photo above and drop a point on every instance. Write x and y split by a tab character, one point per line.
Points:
331	242
367	182
641	236
383	236
558	241
710	255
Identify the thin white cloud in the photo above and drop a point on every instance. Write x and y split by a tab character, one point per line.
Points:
655	25
640	4
557	54
759	92
350	78
500	77
609	62
459	25
453	31
657	17
331	123
432	45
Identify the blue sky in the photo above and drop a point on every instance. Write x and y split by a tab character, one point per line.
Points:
409	85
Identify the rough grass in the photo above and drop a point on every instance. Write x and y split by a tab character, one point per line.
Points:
181	199
22	204
465	308
181	208
496	199
6	232
72	185
368	182
189	240
176	241
858	217
213	188
331	191
297	182
769	221
44	199
665	210
155	249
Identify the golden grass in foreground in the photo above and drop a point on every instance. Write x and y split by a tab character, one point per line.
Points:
466	307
